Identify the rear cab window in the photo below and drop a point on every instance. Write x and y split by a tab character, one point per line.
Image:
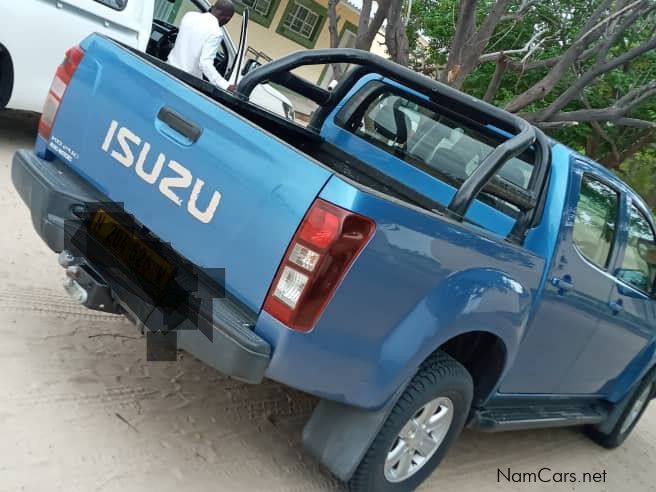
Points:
595	220
437	144
442	144
638	265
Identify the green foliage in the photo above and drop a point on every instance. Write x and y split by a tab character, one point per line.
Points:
640	173
561	21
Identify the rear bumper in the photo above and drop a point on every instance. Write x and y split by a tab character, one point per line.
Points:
221	333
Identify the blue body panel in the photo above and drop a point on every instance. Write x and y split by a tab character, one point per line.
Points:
421	280
435	279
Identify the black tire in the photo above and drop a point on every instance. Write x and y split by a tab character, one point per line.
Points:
439	375
6	77
610	434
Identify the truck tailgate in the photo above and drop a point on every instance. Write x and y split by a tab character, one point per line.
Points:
221	191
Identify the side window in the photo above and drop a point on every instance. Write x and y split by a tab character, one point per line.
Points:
302	22
114	4
638	266
595	221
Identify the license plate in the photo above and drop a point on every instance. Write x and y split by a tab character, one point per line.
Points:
131	250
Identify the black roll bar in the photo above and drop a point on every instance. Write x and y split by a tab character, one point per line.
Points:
524	135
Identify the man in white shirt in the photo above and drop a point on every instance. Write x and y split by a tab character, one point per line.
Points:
199	38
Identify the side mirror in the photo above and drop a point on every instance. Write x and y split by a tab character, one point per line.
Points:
636	278
249	66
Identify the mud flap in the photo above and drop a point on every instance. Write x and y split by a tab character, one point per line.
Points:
339	435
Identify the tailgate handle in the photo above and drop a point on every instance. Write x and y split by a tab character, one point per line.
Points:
180	124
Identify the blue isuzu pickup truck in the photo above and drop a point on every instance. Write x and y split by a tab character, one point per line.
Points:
419	260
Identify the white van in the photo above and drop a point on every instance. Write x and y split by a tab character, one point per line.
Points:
35	34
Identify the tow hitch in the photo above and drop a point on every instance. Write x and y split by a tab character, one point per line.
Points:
86	286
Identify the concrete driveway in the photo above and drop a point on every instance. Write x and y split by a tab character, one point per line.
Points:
81	409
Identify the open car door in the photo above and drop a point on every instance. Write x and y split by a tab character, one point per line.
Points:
264	95
238	62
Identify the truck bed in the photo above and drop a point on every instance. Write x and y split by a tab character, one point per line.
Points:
303	139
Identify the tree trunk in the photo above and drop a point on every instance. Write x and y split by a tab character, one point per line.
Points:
495	83
468	43
464	31
396	38
333	18
368	27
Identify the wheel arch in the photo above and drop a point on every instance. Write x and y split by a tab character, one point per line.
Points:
479	317
6	76
485	356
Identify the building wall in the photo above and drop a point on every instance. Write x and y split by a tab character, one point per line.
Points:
276	45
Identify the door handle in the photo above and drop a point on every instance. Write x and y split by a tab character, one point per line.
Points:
563	284
616	306
180	124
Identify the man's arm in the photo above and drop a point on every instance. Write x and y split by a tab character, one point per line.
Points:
207	56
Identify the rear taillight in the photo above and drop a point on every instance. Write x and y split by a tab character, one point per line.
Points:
325	245
63	76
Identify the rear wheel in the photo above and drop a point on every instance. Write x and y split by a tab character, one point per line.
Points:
422	426
626	418
6	77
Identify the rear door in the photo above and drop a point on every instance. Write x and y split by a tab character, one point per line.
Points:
552	356
630	322
222	192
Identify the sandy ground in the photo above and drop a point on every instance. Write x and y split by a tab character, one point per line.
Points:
81	409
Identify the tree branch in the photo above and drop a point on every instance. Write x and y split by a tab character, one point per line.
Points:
523	9
493	86
615	113
621	26
648	138
630	122
548	62
566	60
598	129
597	70
615	14
635	123
638	95
530	46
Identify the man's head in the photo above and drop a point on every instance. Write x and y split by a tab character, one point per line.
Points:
223	10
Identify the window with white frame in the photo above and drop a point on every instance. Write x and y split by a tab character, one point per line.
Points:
262	7
301	20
